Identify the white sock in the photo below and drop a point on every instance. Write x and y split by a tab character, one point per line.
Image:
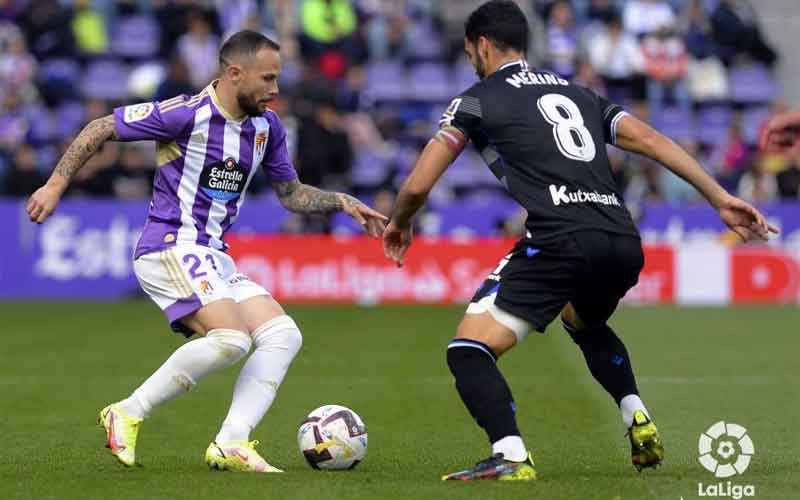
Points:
277	342
629	405
512	448
192	361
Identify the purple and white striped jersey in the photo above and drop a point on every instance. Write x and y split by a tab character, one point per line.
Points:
206	160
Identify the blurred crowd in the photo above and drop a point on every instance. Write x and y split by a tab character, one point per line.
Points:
364	82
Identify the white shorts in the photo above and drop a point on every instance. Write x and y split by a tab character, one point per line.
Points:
184	278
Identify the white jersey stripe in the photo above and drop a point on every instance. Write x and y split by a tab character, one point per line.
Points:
190	177
218	210
261	125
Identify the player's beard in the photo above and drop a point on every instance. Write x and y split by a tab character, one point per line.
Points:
480	65
249	106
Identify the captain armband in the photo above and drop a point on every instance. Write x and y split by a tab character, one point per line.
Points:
453	139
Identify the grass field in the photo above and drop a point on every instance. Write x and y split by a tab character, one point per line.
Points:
62	362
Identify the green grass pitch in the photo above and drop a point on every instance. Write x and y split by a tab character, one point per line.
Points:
62	362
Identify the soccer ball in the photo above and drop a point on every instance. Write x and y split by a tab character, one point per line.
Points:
333	437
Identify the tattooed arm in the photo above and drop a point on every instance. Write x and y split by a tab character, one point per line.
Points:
44	201
302	198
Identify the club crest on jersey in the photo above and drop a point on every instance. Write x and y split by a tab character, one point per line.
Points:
223	180
261	143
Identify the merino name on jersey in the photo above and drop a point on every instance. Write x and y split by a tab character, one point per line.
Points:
521	78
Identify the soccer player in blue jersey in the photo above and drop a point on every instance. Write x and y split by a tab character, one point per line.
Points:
208	148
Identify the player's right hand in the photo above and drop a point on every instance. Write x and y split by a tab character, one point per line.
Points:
744	219
396	242
43	202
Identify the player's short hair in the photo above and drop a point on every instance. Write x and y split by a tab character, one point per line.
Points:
502	22
244	43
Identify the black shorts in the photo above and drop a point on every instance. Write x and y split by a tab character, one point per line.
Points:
592	270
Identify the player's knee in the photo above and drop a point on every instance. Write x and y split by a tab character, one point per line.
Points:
232	344
279	333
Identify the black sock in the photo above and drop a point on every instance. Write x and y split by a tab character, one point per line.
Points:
607	359
482	388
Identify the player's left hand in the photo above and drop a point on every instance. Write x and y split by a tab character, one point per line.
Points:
745	220
396	242
371	220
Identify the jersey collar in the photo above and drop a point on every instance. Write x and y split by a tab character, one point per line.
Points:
521	62
213	93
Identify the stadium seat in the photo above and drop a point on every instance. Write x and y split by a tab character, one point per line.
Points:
430	82
370	168
751	84
423	42
42	126
105	79
386	81
58	78
752	120
675	123
464	77
137	37
713	123
69	118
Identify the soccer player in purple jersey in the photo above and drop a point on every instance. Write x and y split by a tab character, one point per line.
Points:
208	148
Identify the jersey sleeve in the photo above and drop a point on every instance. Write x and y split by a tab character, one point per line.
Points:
157	121
611	114
276	163
463	113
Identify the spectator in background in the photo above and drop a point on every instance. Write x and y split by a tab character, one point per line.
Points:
618	59
132	179
23	177
730	158
17	66
89	29
13	123
601	11
176	82
327	34
642	17
735	27
666	63
562	40
199	49
47	26
757	186
324	153
788	181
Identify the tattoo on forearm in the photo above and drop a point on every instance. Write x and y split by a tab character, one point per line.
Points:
85	145
303	198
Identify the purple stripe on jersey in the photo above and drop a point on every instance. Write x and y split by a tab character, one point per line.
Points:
164	214
214	153
246	157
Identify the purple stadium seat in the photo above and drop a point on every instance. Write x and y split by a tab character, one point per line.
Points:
752	119
752	84
42	127
61	71
430	82
69	118
369	169
386	81
713	124
136	36
423	42
105	79
464	77
675	123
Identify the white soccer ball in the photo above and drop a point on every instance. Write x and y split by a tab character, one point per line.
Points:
333	437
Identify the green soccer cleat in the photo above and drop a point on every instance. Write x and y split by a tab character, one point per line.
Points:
239	456
496	468
121	432
646	447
